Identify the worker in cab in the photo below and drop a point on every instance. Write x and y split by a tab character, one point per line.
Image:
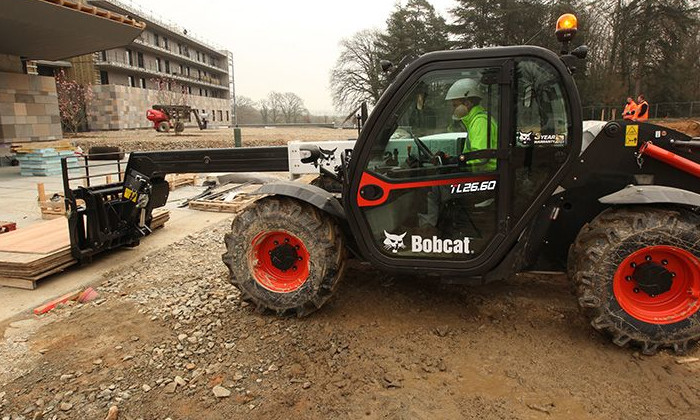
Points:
469	115
630	109
642	109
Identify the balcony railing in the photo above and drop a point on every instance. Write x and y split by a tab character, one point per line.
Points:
162	50
118	60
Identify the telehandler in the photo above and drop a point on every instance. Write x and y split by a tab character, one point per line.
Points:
615	204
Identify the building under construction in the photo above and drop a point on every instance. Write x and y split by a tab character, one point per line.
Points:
163	64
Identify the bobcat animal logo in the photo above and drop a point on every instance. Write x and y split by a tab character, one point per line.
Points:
525	139
393	242
327	156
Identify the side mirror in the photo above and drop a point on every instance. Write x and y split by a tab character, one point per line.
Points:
580	52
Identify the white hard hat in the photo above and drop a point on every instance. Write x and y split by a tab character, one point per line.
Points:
464	88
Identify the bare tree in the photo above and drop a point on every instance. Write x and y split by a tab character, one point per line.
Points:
292	107
247	109
170	91
357	74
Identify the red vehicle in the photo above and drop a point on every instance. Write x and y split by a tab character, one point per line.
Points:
167	117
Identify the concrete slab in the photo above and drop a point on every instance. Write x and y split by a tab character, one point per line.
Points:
18	203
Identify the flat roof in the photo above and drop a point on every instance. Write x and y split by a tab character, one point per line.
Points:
58	29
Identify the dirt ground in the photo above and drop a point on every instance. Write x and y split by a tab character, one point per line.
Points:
164	335
171	338
192	138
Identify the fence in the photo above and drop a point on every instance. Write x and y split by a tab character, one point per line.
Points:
689	110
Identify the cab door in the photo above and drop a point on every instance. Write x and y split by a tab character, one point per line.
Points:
429	188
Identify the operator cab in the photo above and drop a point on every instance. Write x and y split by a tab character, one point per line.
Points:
447	182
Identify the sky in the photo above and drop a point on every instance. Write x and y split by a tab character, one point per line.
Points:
282	46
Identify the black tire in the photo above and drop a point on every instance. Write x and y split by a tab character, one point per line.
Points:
318	234
163	127
179	127
105	153
607	245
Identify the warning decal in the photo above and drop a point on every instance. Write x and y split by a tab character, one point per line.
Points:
632	136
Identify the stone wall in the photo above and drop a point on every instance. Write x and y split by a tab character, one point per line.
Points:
116	107
28	108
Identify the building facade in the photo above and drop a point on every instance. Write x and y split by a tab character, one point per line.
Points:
163	65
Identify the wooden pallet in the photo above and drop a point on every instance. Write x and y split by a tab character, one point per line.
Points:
226	198
178	180
30	254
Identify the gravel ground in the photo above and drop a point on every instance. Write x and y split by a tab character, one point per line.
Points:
172	339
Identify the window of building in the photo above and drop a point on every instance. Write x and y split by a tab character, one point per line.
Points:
132	81
221	115
189	90
206	92
213	115
198	56
129	57
170	86
158	68
139	59
188	70
200	94
182	69
199	74
179	48
165	43
227	116
103	55
167	66
143	82
104	77
156	40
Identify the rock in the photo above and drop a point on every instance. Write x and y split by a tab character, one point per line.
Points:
67	377
97	362
180	381
127	357
181	337
145	387
65	406
113	413
190	366
221	392
134	338
306	385
686	360
170	388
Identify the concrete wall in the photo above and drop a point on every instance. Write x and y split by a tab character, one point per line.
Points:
28	108
116	107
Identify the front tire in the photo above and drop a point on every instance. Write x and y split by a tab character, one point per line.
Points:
285	256
636	272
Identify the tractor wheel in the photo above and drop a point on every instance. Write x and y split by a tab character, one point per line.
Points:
163	127
637	276
179	127
285	256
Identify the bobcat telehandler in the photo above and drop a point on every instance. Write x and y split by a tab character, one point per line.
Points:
615	204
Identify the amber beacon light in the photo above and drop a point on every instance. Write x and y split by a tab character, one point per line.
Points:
567	25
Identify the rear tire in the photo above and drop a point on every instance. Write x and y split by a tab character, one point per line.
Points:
607	265
179	127
163	127
285	256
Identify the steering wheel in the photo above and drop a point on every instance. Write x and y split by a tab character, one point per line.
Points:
424	152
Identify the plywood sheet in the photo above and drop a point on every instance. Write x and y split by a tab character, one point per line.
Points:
40	238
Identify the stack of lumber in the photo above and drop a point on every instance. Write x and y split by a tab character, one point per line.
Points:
42	158
29	254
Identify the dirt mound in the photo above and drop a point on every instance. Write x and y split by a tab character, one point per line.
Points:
137	140
689	127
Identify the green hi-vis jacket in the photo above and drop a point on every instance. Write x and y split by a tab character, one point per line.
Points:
477	125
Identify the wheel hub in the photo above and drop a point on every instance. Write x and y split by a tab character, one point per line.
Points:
284	256
653	278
